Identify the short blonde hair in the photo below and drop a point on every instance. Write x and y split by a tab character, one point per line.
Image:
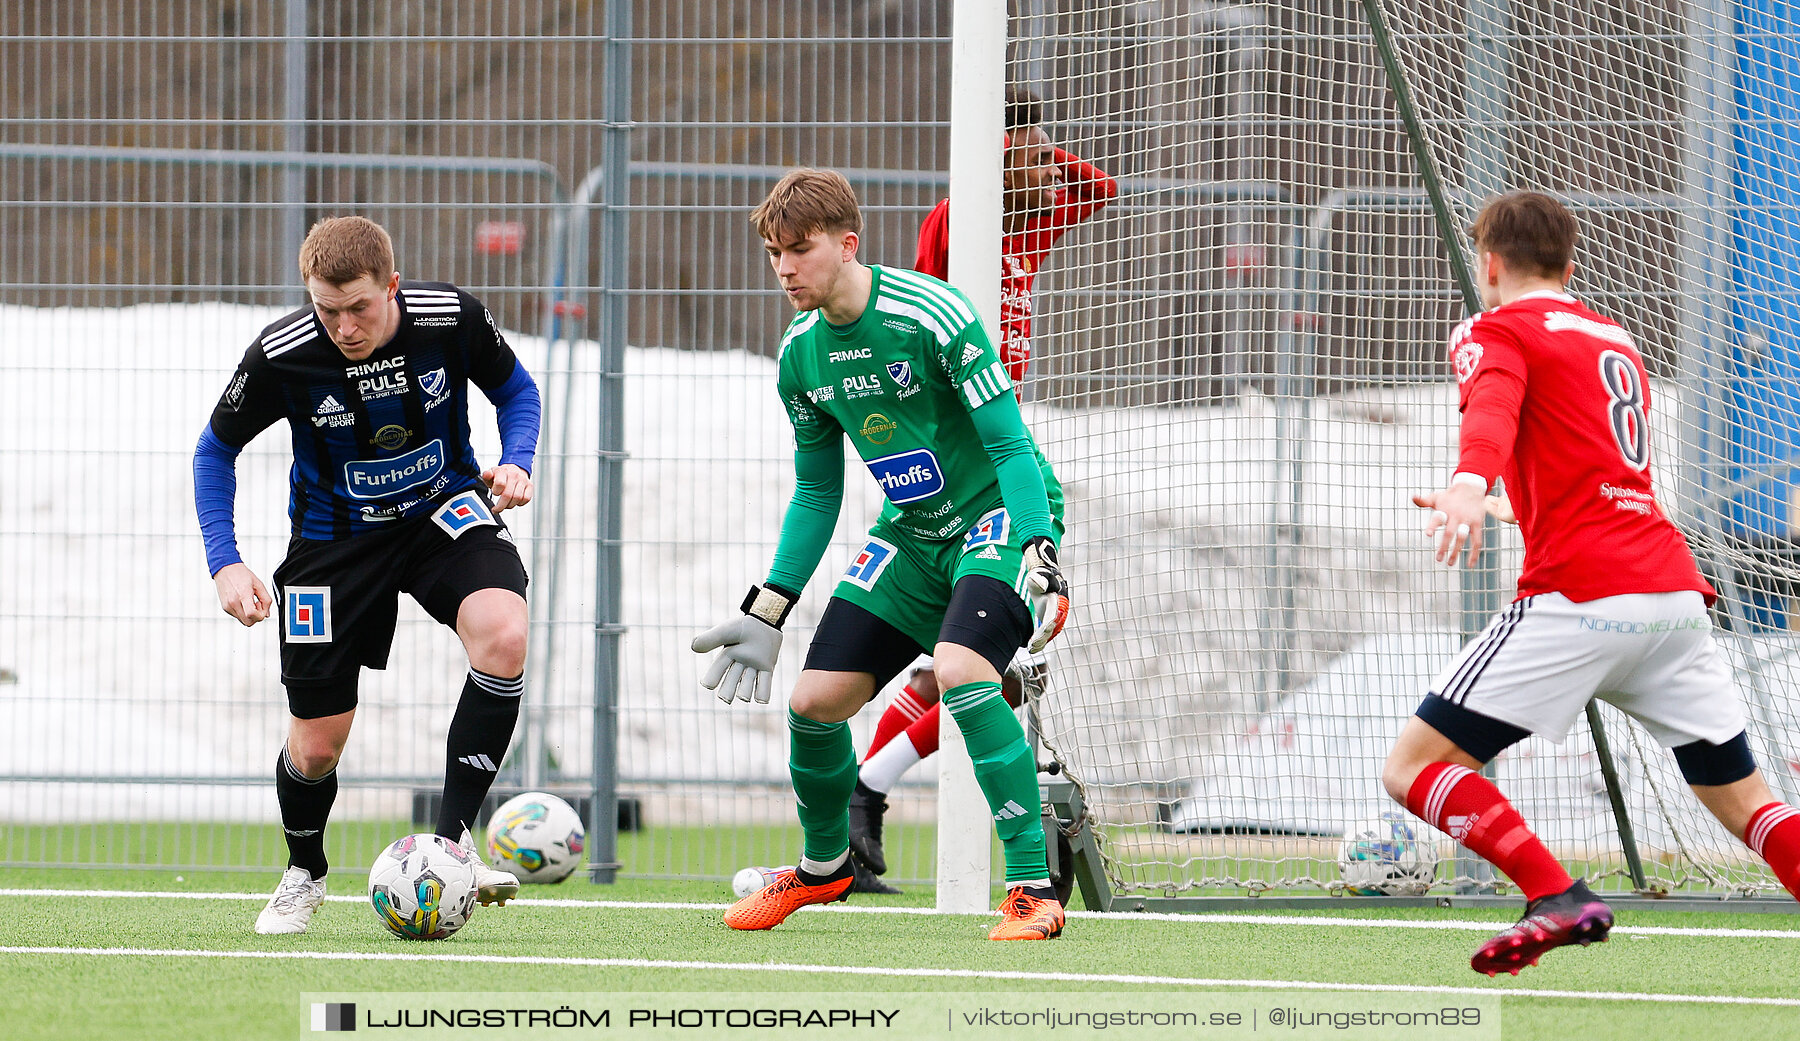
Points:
807	201
339	250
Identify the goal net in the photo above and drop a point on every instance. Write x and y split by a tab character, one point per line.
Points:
1239	375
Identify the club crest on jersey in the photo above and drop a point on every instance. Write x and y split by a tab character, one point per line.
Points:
306	614
868	565
462	513
1467	360
908	476
436	385
900	371
990	530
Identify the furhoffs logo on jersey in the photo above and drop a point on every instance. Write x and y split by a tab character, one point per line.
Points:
306	614
908	476
378	478
900	371
878	428
868	565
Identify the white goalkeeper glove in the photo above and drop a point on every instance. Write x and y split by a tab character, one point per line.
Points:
748	646
1049	591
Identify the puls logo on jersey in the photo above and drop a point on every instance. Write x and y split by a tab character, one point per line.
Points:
378	478
862	386
908	476
436	385
380	379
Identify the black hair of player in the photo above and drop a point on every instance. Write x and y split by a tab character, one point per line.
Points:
1023	109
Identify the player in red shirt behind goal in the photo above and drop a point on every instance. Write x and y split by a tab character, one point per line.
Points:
1047	191
1555	401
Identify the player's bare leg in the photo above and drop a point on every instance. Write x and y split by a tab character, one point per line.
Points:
1750	811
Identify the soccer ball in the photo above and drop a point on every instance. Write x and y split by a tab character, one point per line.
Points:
1387	857
536	836
423	887
751	879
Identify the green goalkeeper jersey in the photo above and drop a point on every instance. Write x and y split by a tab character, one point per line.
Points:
901	381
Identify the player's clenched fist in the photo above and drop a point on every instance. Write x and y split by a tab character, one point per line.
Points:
508	485
241	594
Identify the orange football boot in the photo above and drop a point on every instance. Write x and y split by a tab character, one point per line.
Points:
1028	917
769	906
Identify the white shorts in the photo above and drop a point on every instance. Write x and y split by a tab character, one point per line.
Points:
1652	655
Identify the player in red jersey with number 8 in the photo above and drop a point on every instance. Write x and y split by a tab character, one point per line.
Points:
1556	402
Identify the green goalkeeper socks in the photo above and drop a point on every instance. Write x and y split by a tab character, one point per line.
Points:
822	763
1007	773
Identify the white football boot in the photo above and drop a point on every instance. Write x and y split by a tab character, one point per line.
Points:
293	904
492	886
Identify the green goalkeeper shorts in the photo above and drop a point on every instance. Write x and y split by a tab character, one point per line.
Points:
906	581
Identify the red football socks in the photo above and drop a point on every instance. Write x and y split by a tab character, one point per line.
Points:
1774	834
1464	804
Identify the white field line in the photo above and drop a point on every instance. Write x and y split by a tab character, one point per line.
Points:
905	973
1197	918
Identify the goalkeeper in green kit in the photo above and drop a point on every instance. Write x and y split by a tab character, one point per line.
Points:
961	564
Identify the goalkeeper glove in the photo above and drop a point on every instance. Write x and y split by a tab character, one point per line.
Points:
748	646
1049	591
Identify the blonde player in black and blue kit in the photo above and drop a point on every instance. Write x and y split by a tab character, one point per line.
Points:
961	563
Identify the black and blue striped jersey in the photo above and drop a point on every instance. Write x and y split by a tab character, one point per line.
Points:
382	438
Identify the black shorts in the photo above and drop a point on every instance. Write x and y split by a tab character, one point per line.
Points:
337	600
984	615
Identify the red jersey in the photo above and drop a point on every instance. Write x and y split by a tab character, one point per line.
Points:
1555	400
1085	189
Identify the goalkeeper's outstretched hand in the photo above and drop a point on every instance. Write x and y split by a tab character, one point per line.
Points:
1049	591
748	646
